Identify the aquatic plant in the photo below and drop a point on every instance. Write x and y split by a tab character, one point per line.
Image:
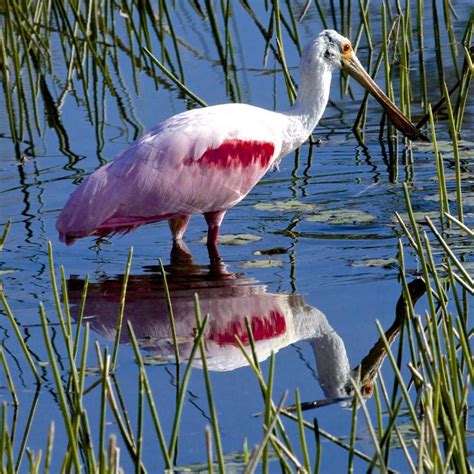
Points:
422	409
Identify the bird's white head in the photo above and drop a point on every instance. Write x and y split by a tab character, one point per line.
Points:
319	59
329	50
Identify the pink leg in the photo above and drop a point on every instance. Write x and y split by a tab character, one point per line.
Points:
178	226
214	221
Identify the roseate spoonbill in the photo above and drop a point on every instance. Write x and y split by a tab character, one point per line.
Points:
204	161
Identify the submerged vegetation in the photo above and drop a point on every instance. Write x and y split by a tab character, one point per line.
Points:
423	411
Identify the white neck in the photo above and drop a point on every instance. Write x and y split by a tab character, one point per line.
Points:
313	94
311	101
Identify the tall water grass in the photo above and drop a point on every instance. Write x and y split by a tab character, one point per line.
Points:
100	38
434	391
432	369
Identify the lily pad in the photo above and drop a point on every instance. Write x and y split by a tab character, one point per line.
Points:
469	267
445	146
342	216
233	463
155	360
466	177
235	239
272	251
467	198
271	262
93	371
292	205
419	216
377	262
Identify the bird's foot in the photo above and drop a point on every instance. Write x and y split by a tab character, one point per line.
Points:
180	254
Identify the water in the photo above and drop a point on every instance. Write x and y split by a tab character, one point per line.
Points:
343	271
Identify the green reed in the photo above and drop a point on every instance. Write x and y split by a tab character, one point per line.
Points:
11	385
90	41
175	80
466	74
118	331
442	190
61	392
445	396
457	163
433	369
210	398
421	53
252	360
16	330
442	352
5	231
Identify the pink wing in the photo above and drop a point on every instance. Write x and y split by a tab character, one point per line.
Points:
200	161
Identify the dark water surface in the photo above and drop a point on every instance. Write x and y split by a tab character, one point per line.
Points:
342	263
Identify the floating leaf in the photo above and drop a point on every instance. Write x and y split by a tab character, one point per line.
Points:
407	430
233	462
444	146
272	262
377	262
467	198
342	216
469	267
466	177
155	360
418	215
93	371
235	239
285	206
273	251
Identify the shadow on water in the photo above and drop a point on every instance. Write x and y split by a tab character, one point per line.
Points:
230	299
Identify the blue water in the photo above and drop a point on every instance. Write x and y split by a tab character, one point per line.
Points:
325	263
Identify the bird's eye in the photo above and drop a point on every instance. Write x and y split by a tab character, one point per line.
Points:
328	54
367	391
346	48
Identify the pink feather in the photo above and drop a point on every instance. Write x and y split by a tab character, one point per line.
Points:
196	162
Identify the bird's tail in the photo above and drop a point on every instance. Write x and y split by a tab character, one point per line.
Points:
88	207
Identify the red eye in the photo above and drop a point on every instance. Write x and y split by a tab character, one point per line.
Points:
346	48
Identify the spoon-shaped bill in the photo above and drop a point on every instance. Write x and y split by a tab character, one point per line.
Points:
353	66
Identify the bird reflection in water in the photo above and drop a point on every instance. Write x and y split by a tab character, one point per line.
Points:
277	320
